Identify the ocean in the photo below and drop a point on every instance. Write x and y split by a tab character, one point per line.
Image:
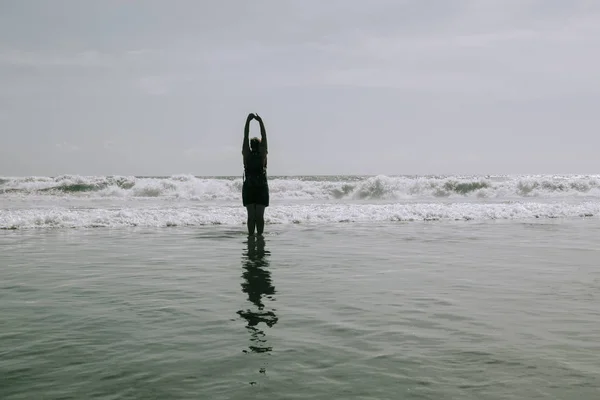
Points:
363	287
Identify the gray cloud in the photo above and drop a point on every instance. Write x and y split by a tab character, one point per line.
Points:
465	86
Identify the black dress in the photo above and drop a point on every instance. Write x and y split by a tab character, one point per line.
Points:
255	189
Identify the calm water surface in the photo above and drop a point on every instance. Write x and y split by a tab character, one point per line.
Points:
423	310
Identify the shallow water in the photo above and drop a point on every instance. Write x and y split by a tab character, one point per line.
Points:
377	310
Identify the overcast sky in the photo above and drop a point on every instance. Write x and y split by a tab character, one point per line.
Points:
344	86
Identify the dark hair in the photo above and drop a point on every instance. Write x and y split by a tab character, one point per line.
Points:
254	144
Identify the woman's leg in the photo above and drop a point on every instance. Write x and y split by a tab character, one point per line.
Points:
251	218
260	218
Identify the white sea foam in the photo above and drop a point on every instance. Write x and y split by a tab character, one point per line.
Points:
288	214
185	200
309	188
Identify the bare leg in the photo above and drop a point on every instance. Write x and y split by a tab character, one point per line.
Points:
251	218
260	218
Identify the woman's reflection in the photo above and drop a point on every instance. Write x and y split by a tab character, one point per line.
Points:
257	284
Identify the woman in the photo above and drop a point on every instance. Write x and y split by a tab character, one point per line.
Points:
255	189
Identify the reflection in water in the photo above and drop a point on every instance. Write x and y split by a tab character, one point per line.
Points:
257	284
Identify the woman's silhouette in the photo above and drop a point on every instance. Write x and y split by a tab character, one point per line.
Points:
255	189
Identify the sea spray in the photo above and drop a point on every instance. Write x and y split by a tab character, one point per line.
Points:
307	188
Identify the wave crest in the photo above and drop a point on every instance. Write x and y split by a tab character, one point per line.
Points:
306	188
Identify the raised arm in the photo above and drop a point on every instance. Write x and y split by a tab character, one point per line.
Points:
263	134
246	143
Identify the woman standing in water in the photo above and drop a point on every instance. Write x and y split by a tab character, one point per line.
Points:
255	189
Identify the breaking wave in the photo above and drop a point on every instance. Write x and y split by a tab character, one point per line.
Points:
290	214
305	188
72	201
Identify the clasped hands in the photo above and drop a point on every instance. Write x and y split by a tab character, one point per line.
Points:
255	116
